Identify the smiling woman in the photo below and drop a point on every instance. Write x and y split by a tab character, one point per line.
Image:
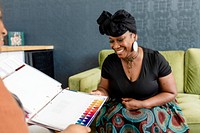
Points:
139	82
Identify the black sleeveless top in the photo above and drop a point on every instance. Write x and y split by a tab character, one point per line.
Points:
154	65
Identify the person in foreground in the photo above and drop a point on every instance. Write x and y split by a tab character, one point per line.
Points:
11	115
138	81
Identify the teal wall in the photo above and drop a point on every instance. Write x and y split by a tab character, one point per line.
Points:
70	25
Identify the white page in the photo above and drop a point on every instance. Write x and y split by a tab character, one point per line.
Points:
33	87
66	109
8	66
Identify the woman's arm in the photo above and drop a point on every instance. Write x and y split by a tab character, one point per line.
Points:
168	93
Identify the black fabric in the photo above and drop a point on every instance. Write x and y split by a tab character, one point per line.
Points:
154	66
117	24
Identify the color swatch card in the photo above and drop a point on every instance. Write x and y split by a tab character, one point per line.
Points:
70	107
43	99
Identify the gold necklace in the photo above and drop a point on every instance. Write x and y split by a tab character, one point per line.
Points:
129	60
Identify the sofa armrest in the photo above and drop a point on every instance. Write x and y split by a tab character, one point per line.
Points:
85	81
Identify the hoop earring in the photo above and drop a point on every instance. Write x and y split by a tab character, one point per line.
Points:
135	46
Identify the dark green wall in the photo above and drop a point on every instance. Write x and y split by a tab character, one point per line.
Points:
70	25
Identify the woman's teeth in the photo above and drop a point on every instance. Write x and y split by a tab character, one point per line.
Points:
119	51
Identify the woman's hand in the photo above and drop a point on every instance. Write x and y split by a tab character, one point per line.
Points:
98	92
75	128
132	104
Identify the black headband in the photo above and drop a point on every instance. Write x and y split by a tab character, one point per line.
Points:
117	24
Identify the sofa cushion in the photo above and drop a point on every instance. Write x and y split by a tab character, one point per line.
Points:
192	71
190	105
176	61
91	82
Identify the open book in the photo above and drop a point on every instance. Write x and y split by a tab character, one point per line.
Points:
45	102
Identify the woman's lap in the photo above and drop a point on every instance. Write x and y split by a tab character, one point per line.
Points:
113	117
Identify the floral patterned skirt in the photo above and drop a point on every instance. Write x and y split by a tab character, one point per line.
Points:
114	118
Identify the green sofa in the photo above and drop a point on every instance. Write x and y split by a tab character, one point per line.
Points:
186	69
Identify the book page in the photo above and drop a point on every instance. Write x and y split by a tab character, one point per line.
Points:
34	88
8	66
70	107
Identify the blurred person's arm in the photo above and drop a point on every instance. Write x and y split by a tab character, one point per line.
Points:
11	115
75	128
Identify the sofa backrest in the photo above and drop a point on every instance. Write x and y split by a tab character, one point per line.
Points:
192	71
175	59
102	55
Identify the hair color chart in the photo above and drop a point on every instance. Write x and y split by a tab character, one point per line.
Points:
69	107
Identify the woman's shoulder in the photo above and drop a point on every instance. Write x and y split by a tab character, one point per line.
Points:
149	51
152	54
112	56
